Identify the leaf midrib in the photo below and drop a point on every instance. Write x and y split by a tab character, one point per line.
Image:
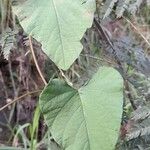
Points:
59	30
84	118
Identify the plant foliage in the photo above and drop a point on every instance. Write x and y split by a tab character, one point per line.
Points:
80	119
87	117
58	25
7	41
130	6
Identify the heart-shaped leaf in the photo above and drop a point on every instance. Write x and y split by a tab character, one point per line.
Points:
58	24
88	118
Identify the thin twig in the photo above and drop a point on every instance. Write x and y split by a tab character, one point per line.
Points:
35	61
137	30
15	93
19	98
96	58
66	79
3	84
126	83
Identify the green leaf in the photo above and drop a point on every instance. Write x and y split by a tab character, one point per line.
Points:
88	118
11	148
58	24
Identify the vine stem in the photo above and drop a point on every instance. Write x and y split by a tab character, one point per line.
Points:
35	61
40	73
18	98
